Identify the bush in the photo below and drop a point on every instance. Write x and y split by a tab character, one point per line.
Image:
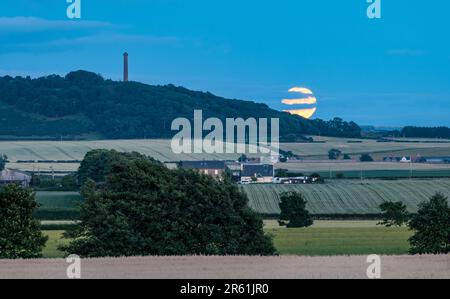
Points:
20	233
146	209
366	158
293	210
394	214
334	154
340	176
432	227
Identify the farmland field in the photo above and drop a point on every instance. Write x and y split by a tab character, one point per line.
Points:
59	152
232	267
55	205
352	169
356	147
323	238
327	238
351	197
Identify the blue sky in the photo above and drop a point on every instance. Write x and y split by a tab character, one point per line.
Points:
392	72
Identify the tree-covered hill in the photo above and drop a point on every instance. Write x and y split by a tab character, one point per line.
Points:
85	104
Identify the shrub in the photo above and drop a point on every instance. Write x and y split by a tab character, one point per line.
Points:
340	176
334	154
394	214
366	158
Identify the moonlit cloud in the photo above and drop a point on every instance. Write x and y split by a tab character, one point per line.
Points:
305	101
301	90
305	113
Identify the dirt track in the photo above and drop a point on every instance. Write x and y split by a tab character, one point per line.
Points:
195	267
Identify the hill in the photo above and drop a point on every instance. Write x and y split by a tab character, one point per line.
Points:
83	104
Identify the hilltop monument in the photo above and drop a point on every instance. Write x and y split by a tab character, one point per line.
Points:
125	67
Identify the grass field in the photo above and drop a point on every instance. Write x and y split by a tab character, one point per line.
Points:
348	196
323	238
54	241
340	238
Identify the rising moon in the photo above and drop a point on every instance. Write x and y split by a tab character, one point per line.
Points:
306	99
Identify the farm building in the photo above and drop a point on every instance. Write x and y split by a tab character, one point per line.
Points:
258	173
296	180
9	176
212	168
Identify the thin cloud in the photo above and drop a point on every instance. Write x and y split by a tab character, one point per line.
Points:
406	52
33	24
109	39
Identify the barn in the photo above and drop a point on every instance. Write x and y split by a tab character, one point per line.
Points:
9	176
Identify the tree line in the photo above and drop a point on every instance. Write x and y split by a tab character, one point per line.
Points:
85	103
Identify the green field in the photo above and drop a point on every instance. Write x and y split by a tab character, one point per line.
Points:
323	238
348	197
60	151
378	150
340	238
54	241
352	169
55	205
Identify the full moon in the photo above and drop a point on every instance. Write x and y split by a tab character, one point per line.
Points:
307	98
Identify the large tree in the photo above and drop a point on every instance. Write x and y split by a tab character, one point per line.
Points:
144	208
20	234
431	225
293	210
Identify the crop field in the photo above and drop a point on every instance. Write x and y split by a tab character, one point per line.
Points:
347	166
53	155
351	197
75	150
232	267
55	205
356	147
352	169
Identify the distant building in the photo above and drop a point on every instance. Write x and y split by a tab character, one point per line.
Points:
257	173
234	169
296	180
212	168
405	160
9	176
